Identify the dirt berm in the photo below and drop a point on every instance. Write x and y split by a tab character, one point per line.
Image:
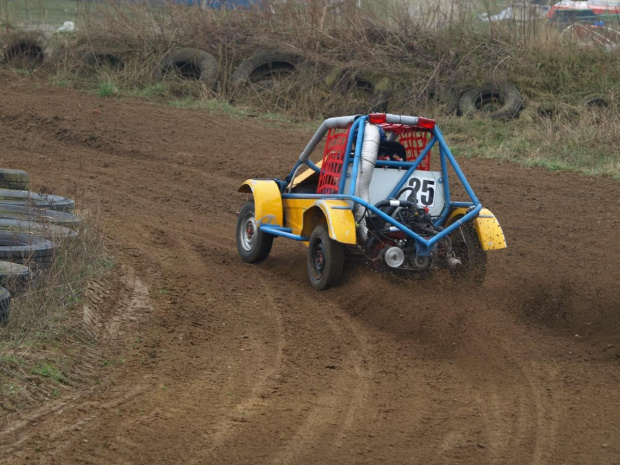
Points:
228	363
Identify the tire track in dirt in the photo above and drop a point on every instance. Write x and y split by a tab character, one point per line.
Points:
334	413
517	413
509	396
271	367
110	307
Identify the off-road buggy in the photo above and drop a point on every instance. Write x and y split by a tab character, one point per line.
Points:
375	196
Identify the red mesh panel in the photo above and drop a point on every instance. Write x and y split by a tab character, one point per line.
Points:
414	140
333	159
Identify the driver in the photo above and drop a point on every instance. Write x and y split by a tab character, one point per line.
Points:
390	149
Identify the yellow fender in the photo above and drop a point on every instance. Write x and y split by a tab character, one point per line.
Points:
339	218
489	231
267	201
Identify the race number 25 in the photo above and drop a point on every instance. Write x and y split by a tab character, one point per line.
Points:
423	191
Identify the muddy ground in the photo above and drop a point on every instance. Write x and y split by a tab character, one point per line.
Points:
229	363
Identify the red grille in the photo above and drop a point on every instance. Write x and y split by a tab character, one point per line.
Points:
415	140
333	158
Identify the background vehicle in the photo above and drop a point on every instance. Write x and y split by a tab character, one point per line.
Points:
374	195
589	12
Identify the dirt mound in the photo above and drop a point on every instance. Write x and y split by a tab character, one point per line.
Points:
247	364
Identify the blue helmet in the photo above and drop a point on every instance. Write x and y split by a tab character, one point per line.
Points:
382	135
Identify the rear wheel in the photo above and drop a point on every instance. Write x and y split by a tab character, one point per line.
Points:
325	259
253	245
467	248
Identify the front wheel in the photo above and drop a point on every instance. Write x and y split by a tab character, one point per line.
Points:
467	248
253	245
325	259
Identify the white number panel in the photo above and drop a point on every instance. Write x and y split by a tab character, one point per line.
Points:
426	191
426	188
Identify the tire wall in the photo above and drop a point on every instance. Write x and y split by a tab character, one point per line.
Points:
229	56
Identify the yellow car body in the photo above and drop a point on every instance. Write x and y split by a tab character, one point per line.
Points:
302	215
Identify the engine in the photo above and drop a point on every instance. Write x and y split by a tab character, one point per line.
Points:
384	244
389	248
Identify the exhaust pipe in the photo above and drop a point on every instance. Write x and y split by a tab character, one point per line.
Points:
370	151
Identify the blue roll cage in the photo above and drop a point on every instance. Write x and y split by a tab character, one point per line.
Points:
423	246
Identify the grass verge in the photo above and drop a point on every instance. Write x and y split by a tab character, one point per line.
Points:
40	345
588	142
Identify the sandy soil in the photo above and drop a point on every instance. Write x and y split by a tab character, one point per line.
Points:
230	363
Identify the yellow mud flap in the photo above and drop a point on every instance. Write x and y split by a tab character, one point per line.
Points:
489	231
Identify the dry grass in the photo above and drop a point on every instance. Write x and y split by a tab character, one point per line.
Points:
42	308
45	333
427	54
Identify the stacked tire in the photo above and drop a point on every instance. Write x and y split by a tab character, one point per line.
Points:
14	179
32	227
28	49
5	305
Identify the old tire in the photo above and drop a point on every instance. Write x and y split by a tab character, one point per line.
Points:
189	63
264	66
102	59
40	215
14	277
546	110
325	259
101	54
29	49
594	100
49	231
371	91
495	101
253	245
466	246
14	179
5	305
26	248
47	201
450	100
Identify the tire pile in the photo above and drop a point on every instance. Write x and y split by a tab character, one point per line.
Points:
500	101
369	90
32	226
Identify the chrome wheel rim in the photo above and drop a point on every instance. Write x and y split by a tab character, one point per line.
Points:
248	232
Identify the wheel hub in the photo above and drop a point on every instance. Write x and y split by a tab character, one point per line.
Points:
248	234
319	261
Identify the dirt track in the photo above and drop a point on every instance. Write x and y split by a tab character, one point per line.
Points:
232	363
